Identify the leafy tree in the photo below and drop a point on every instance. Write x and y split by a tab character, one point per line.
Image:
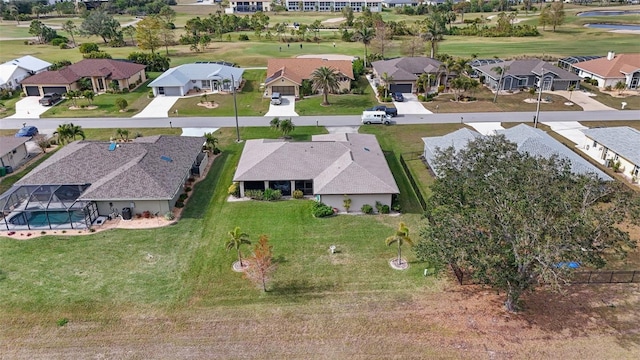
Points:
44	33
154	62
401	236
97	55
364	35
148	33
261	264
325	79
130	31
71	29
211	141
73	95
89	95
86	48
68	132
100	23
510	218
123	133
387	79
347	12
121	103
42	142
621	86
274	124
556	14
236	239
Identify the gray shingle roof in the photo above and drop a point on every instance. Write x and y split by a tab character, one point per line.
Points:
9	143
182	74
133	171
458	139
527	67
623	140
406	68
338	164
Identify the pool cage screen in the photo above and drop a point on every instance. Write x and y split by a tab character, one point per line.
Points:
36	207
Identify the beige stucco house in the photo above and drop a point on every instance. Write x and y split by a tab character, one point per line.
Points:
285	76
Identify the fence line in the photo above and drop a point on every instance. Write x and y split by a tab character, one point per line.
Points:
414	185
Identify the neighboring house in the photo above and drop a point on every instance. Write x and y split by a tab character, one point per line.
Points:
569	62
250	6
405	71
612	69
87	179
287	74
535	142
399	3
101	72
329	167
13	72
212	77
13	151
521	74
333	5
613	144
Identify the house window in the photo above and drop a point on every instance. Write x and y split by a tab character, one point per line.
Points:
305	185
595	143
636	170
283	185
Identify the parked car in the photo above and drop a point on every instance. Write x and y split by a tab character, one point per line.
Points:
27	131
389	110
276	98
50	99
396	96
375	117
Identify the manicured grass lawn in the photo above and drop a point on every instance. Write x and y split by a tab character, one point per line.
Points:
107	134
137	100
346	104
9	105
633	101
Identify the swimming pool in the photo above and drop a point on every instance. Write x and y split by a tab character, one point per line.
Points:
39	218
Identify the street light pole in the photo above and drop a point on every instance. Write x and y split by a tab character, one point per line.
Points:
235	106
535	118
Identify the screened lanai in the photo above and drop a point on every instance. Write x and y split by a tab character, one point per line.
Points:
39	207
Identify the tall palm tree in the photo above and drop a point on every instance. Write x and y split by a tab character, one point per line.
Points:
500	70
236	239
388	79
401	236
76	130
433	34
364	35
63	133
325	79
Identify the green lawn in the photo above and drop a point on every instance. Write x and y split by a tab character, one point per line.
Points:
137	100
9	105
346	104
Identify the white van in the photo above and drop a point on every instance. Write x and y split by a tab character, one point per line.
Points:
376	117
276	98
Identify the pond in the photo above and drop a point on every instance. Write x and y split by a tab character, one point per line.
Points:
609	13
614	26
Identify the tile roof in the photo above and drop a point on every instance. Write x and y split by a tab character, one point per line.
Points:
406	68
338	164
614	68
30	63
524	68
9	143
623	140
181	75
133	171
109	68
297	69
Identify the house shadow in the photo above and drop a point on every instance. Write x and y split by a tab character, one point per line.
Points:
203	191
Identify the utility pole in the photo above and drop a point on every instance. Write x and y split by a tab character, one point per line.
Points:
536	118
235	106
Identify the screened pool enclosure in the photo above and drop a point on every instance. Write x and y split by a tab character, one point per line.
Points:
40	207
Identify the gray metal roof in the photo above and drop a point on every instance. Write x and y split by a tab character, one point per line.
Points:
522	68
181	75
406	68
458	139
135	170
9	143
30	63
623	140
337	164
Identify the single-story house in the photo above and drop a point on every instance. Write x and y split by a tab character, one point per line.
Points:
249	6
333	5
568	62
13	72
405	72
612	69
286	75
13	151
101	72
329	167
535	142
88	179
612	144
520	74
213	77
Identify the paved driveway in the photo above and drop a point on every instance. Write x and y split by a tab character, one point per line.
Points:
29	108
568	129
410	106
287	108
584	99
158	107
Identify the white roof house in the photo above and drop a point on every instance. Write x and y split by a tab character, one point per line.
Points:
14	71
615	144
212	77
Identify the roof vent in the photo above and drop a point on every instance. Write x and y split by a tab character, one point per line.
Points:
166	158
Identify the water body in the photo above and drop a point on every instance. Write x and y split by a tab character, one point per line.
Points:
614	26
608	13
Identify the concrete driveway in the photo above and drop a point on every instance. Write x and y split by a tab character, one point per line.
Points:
568	129
158	107
410	106
584	99
29	108
287	108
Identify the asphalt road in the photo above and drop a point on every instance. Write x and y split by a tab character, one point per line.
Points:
348	120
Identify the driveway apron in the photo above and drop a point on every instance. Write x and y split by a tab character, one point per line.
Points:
29	108
158	107
287	108
410	106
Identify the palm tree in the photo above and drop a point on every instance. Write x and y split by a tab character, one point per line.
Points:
499	70
286	126
621	86
63	134
425	81
325	79
236	239
15	14
364	35
211	141
275	123
123	133
433	35
76	130
388	79
401	236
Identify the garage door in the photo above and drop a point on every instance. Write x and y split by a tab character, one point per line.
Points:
402	88
172	91
54	89
32	91
284	90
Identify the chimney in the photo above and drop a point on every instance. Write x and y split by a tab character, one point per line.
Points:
611	55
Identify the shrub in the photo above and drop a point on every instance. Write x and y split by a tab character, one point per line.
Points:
92	230
234	190
125	90
64	46
607	88
89	47
254	194
62	322
132	86
58	41
183	197
179	204
121	103
421	98
187	188
146	214
385	209
243	37
378	206
298	194
367	209
321	210
440	88
150	94
216	151
272	195
169	216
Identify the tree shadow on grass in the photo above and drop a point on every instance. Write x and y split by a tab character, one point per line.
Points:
300	289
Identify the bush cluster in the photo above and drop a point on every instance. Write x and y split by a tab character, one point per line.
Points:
266	195
321	209
298	194
366	209
234	190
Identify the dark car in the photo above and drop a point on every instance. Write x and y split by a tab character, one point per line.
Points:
50	99
27	131
389	110
396	96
